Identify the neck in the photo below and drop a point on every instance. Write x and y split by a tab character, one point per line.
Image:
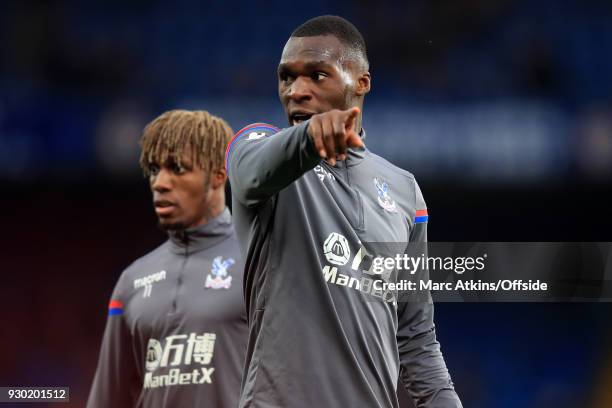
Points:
216	207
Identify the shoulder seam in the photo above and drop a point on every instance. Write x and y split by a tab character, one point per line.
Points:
392	166
241	132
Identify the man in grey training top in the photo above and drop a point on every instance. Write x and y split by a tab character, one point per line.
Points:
176	332
306	201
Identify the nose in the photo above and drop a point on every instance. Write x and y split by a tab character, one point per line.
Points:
300	90
162	181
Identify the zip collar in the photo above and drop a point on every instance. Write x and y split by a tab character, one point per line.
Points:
202	237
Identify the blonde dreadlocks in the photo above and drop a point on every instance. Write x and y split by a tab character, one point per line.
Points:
170	134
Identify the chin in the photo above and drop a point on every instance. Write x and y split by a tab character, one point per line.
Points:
171	225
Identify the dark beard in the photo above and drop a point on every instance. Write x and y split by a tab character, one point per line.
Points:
174	227
177	230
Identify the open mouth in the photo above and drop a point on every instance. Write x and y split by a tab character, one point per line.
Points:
299	117
164	207
163	203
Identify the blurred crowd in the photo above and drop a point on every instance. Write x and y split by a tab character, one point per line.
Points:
75	78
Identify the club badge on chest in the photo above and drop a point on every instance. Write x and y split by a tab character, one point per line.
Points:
384	199
219	277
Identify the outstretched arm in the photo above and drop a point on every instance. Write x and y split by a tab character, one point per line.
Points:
262	160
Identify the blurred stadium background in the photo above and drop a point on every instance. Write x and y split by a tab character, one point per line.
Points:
502	109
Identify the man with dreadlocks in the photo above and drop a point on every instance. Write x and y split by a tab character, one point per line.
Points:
176	331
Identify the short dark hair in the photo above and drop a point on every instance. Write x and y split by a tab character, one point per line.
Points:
340	28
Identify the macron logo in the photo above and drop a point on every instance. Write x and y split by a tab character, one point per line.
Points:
148	281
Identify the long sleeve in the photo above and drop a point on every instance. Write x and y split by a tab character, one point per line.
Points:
422	368
261	160
116	380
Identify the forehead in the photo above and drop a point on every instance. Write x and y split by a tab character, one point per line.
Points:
324	48
179	154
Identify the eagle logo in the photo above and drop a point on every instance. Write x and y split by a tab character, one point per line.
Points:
219	277
385	201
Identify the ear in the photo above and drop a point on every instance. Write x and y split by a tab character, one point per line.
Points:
363	84
218	178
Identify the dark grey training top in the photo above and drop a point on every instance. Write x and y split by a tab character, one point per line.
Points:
313	340
176	333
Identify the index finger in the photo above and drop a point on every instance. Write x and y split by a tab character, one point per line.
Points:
351	119
353	138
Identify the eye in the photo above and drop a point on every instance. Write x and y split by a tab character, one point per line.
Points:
153	169
318	76
178	169
286	78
